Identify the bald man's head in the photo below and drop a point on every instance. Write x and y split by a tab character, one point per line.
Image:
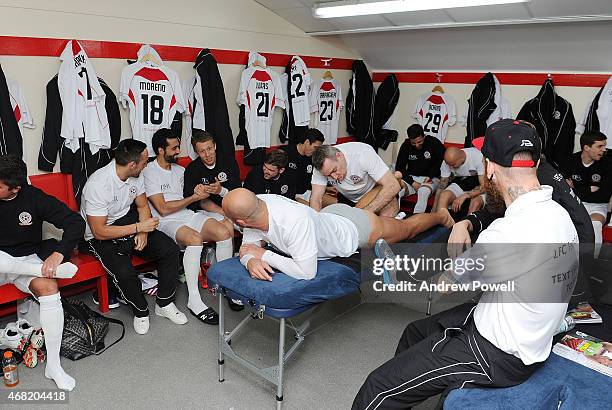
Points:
454	157
243	207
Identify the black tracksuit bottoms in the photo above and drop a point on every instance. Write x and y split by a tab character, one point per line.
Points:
435	355
117	262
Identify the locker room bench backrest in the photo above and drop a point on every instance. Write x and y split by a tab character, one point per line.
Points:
58	185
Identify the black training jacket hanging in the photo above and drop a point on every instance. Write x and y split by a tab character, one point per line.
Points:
10	137
82	163
592	120
216	116
360	105
554	119
386	99
481	105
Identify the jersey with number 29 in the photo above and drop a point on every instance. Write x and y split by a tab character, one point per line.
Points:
260	92
326	102
154	95
435	112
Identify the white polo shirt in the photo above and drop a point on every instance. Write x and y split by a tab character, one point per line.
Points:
516	322
106	195
363	168
168	182
301	232
473	165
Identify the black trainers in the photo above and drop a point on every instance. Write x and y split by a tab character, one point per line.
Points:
113	301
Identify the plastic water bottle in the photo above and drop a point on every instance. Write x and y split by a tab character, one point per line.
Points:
9	367
207	259
566	325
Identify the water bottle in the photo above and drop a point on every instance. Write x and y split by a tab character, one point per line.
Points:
566	325
9	367
207	259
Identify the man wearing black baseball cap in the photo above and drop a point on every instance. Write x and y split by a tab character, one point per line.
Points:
500	341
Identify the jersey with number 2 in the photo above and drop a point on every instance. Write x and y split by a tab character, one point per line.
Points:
435	112
260	92
154	95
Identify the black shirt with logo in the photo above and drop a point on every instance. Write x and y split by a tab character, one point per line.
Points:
598	174
22	220
424	162
225	170
300	169
255	182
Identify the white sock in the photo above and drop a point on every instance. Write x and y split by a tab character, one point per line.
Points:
191	263
52	322
598	229
224	250
10	264
422	197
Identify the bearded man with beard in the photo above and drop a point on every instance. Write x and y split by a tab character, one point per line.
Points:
164	180
465	232
502	340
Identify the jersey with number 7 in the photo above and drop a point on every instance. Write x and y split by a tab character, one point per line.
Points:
326	102
260	92
154	95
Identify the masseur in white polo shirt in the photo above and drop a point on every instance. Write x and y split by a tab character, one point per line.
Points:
500	341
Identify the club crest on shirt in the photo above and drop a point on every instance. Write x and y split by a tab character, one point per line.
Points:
222	177
132	190
25	219
309	169
355	179
284	189
427	155
557	115
595	177
292	165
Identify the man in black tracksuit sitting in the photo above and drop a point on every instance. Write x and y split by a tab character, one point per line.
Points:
271	177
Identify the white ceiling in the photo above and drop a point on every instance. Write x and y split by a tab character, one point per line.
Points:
299	13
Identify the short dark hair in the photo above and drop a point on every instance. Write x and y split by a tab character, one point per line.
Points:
13	171
321	154
312	135
415	131
591	137
129	150
201	136
277	158
161	137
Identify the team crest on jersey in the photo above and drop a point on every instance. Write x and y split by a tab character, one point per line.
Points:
595	177
557	115
25	219
284	189
427	155
222	177
355	179
292	165
309	169
132	190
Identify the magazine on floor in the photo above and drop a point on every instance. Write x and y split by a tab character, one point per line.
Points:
586	350
584	313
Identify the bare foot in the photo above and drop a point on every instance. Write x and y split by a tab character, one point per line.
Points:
447	219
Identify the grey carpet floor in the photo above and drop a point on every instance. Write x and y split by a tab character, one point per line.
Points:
176	366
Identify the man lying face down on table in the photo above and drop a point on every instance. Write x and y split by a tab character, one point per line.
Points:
306	235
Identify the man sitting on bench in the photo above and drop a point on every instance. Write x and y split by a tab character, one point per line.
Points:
23	209
355	170
306	235
272	177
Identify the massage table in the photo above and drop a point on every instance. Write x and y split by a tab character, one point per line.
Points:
282	299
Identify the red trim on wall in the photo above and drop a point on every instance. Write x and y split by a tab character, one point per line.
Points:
570	80
53	47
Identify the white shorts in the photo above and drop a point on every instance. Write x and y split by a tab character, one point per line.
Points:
592	208
305	196
433	185
22	282
455	189
186	217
